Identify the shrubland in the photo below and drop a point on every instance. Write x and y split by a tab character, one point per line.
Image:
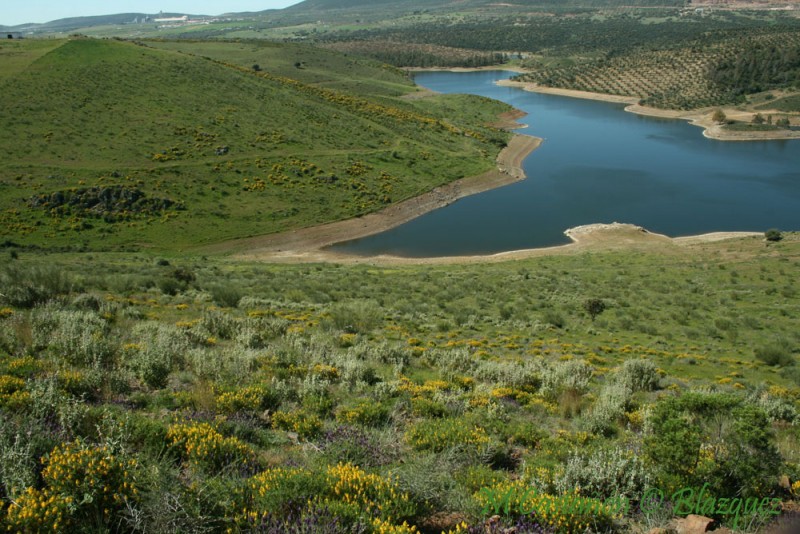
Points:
362	398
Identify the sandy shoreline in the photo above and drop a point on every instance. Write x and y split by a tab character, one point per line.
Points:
464	69
299	243
701	118
588	238
308	245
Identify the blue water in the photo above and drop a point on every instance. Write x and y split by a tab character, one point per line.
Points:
598	164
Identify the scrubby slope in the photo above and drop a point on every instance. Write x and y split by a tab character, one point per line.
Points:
226	396
244	151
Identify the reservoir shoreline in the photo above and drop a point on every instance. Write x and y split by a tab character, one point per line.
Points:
310	244
700	118
297	243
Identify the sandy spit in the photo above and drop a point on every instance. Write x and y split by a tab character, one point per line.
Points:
701	118
589	238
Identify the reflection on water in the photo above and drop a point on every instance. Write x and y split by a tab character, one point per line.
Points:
600	164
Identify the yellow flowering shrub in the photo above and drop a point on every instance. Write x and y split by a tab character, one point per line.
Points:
201	444
439	434
10	384
304	425
80	482
368	492
328	372
38	511
348	492
366	412
247	399
12	392
274	490
380	526
347	340
74	382
24	367
565	513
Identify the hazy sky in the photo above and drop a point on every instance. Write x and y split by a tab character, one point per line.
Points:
15	12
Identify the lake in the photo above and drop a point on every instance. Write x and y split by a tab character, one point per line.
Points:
599	164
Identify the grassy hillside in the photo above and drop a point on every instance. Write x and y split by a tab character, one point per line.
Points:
114	143
152	394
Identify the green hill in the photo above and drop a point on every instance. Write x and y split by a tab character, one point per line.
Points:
240	139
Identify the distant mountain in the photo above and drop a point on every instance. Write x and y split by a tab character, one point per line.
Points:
311	9
404	5
75	23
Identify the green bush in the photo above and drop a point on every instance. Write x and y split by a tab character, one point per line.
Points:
715	439
366	412
29	285
227	296
356	316
778	354
605	473
439	434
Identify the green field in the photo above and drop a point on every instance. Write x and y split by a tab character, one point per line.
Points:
789	103
120	144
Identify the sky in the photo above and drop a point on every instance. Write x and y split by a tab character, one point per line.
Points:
13	12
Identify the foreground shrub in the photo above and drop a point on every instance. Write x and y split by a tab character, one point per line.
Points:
439	434
158	350
84	486
227	296
202	445
25	287
566	513
366	412
604	474
638	375
306	426
357	446
569	376
356	316
247	399
714	439
354	496
79	337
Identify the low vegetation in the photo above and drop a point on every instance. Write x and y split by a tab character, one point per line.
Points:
173	393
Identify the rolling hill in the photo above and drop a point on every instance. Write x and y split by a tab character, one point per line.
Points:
239	139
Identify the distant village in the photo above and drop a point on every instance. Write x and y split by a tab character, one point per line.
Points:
163	21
